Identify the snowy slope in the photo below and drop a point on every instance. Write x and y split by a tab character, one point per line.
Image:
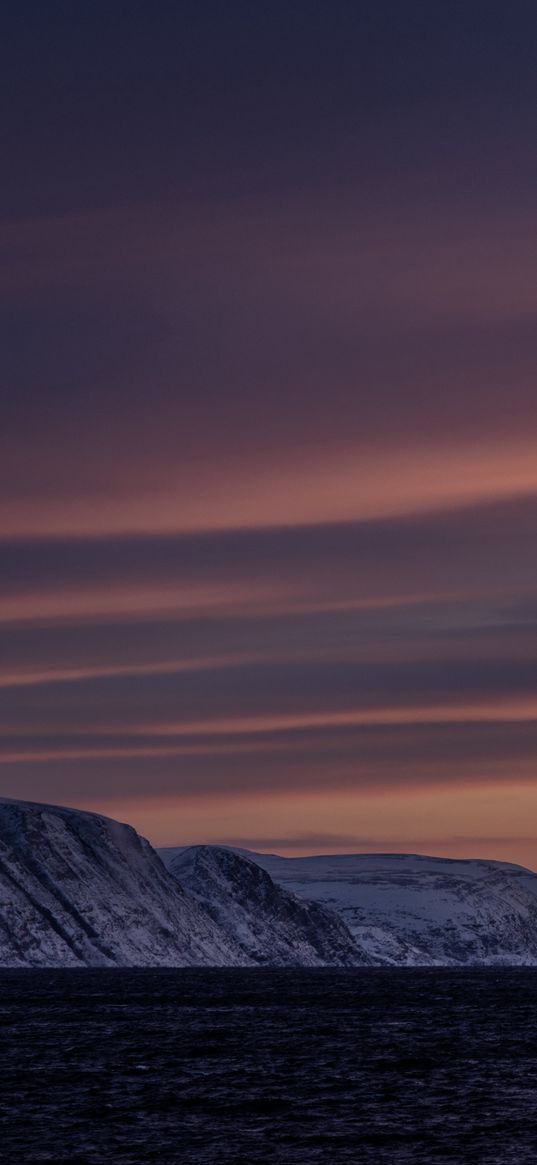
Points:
272	926
409	909
80	889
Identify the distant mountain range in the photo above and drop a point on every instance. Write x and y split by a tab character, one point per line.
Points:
78	889
414	910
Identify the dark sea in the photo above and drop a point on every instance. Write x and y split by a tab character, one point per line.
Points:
239	1067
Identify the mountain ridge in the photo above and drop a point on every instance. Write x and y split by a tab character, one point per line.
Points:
81	889
273	926
418	909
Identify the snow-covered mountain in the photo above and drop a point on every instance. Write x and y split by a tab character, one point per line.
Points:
272	926
80	889
414	910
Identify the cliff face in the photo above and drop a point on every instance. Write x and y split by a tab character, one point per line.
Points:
80	889
272	926
407	909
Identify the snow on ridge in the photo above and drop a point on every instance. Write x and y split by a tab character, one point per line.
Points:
415	909
79	889
167	853
273	926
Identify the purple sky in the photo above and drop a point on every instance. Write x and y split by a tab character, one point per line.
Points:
268	452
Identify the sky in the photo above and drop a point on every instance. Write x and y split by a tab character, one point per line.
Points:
268	439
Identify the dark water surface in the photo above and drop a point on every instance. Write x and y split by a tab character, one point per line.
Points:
221	1067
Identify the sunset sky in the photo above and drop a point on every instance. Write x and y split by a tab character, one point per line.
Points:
268	434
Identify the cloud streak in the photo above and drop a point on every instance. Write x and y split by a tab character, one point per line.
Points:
268	453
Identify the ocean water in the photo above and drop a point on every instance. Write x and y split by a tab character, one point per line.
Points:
201	1067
